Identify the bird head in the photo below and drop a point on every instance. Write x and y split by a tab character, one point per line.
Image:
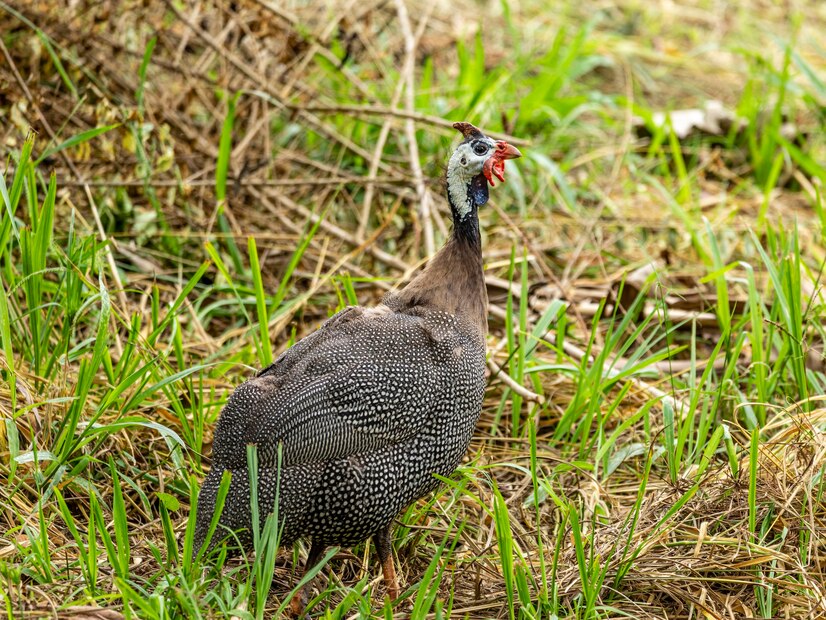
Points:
473	165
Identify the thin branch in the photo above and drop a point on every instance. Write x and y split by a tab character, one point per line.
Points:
525	393
371	110
210	182
422	195
369	190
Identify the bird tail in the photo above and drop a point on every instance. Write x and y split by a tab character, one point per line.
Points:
235	522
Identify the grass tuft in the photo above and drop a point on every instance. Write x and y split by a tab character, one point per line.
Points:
185	193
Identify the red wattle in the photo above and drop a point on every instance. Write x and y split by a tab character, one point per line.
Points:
494	166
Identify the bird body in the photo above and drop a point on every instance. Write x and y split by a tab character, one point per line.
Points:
365	411
354	422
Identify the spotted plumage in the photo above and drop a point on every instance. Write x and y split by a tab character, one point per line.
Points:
365	412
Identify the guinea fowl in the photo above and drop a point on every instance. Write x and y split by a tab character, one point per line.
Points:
353	421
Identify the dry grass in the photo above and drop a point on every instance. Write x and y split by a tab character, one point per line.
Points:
727	528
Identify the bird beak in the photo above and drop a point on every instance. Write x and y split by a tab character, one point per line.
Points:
495	165
506	151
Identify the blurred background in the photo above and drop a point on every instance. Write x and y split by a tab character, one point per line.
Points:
189	187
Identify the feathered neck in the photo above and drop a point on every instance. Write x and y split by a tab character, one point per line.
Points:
465	196
454	279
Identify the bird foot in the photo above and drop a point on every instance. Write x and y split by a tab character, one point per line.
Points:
298	604
391	581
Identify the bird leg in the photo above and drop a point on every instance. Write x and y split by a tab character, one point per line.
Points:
299	602
384	548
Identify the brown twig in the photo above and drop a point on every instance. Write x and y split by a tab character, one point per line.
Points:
497	371
374	165
422	196
374	110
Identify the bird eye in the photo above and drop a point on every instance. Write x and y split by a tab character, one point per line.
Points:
480	148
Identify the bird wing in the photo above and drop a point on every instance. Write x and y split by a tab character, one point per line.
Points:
365	380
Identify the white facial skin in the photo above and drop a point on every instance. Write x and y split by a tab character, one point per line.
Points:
465	163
